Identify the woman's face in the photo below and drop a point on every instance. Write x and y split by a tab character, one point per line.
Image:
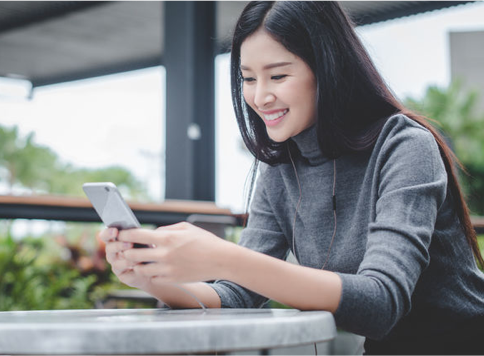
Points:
279	86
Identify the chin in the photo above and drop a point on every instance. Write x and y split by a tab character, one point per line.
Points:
279	138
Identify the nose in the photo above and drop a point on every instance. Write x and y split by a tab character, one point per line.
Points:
263	96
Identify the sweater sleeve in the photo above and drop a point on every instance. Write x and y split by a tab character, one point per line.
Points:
410	182
262	234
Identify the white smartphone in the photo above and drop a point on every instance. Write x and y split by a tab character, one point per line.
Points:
111	206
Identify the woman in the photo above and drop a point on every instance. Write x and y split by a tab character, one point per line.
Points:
359	189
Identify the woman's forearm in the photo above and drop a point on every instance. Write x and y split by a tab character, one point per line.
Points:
186	295
185	253
293	285
296	286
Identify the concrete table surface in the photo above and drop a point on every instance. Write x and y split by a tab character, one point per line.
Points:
159	331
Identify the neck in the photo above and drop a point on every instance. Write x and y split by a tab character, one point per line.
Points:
307	143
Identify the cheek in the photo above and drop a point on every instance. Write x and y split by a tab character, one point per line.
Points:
248	95
306	95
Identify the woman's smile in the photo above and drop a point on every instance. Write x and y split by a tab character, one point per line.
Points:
273	117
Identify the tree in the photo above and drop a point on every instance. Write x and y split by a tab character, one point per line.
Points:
455	112
25	162
36	167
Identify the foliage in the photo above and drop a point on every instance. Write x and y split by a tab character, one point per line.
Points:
27	285
232	233
456	116
69	180
39	169
17	156
67	271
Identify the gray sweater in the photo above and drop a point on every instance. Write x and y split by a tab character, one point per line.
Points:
404	262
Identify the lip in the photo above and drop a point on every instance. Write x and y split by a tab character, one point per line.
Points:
270	123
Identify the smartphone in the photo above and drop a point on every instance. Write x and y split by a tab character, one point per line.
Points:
111	206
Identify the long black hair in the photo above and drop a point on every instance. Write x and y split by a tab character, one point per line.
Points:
353	101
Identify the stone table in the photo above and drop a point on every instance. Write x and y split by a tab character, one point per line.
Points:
160	331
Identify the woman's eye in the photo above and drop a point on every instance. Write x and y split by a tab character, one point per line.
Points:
278	77
248	79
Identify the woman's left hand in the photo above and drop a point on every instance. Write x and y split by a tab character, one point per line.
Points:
179	253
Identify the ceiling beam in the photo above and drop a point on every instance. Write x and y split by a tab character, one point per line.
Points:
113	68
28	13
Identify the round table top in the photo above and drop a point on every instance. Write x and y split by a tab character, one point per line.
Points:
148	331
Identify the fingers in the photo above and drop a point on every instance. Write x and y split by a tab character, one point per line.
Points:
121	266
178	226
115	248
139	255
129	278
142	236
151	270
158	237
109	234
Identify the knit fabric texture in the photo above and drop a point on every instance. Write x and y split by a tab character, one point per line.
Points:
405	265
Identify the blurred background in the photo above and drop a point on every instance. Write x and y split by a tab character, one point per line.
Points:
130	92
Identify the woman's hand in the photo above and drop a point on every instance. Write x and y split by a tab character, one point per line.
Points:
179	253
183	253
120	266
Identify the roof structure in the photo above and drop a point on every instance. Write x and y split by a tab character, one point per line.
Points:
48	42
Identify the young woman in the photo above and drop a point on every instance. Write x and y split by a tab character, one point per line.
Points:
362	191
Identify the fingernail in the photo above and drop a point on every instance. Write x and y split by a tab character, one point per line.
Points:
126	245
112	232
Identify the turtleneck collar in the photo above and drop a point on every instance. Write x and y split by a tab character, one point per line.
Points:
307	142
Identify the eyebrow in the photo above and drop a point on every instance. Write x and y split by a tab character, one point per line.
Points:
269	66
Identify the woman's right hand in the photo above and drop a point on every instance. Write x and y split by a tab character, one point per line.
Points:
121	267
169	293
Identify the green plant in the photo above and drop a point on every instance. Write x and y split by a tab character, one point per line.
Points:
456	115
31	278
58	271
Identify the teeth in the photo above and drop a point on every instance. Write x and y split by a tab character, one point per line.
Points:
275	115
